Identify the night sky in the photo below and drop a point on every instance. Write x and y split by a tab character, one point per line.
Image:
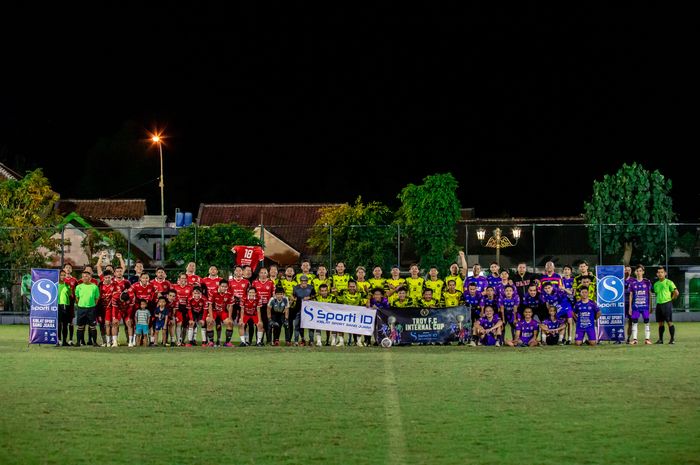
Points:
525	107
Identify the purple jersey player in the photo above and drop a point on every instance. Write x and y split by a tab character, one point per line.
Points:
640	304
553	327
489	299
495	277
526	331
509	308
567	283
476	278
586	313
627	280
488	328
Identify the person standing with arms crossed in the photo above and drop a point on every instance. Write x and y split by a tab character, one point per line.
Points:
666	292
86	296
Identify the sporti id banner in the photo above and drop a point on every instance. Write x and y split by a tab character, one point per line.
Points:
43	308
336	317
423	325
610	291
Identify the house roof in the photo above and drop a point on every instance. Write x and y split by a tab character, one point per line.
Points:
526	220
130	209
290	222
6	173
253	214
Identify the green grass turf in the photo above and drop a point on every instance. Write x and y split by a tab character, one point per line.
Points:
408	405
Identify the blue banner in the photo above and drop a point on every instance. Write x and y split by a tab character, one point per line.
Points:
611	301
43	309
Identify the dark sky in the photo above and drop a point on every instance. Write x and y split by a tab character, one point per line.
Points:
325	105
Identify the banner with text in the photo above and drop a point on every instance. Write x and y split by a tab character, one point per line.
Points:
337	317
610	291
43	308
423	325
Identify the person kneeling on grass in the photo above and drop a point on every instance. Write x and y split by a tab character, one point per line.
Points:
553	327
488	328
525	331
142	317
586	314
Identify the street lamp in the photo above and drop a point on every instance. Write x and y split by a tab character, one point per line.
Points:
157	139
498	241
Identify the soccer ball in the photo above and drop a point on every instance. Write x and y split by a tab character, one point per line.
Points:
386	342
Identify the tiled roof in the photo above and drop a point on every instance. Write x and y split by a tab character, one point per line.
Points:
6	173
131	209
290	222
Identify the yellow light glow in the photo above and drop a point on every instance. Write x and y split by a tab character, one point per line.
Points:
155	139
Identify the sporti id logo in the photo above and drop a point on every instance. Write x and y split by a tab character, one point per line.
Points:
610	289
327	316
44	292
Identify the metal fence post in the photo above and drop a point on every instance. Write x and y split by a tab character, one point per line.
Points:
128	248
666	245
398	245
600	244
466	245
196	227
534	255
63	244
330	247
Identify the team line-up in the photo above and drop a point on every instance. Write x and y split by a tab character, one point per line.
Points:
545	308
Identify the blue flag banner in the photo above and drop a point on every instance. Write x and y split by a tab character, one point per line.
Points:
399	326
610	289
43	309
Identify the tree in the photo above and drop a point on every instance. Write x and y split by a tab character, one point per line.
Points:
96	241
629	200
27	222
362	234
212	244
430	212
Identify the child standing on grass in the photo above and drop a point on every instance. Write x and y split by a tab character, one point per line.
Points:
143	315
161	318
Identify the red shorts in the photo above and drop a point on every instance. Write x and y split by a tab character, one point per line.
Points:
112	314
180	316
220	316
247	318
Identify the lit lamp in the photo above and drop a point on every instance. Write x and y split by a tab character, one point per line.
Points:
157	139
498	241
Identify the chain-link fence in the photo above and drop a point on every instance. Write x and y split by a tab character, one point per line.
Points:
675	246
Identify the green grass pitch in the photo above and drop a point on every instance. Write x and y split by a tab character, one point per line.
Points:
300	405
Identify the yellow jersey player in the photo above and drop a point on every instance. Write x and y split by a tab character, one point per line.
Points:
452	296
434	283
393	283
414	283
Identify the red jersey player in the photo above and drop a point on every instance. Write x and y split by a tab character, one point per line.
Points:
107	288
191	272
265	288
160	284
71	282
220	309
123	308
197	312
211	282
250	314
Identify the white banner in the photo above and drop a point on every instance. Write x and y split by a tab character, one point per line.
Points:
337	317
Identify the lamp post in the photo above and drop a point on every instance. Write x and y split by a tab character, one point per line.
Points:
498	241
158	140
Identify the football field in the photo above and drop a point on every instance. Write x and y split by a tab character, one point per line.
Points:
301	405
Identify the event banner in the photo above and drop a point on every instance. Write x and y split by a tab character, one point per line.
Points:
423	325
43	308
337	317
611	300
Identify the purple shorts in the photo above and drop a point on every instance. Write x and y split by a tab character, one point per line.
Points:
590	332
488	340
510	318
565	313
636	312
525	340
